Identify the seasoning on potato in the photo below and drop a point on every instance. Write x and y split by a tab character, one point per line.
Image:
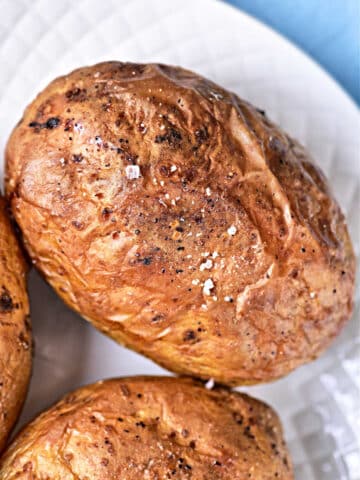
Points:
181	221
151	428
15	334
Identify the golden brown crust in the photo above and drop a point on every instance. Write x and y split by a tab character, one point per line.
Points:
15	335
151	428
227	257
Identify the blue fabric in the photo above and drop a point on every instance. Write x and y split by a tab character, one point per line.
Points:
328	30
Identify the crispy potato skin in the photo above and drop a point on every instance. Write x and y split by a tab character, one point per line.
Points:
226	258
15	334
151	428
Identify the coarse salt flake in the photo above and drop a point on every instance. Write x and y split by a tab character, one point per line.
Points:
228	298
208	191
232	230
196	281
206	265
208	286
173	168
132	172
210	384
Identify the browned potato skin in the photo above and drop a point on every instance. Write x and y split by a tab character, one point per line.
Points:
151	428
125	253
15	334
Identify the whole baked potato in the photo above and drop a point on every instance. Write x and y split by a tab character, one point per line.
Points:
180	221
15	334
151	428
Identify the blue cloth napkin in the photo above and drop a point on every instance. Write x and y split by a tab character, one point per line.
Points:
328	30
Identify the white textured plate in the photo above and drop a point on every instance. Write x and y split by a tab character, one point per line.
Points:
41	39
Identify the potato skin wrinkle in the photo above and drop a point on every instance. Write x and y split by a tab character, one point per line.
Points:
15	330
151	428
181	221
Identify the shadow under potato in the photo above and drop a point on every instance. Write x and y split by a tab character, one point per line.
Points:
60	349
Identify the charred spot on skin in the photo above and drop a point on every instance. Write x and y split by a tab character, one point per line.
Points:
239	419
201	135
76	94
189	336
282	231
294	273
274	449
78	225
157	318
164	171
146	260
68	125
77	158
6	303
247	433
50	124
172	137
107	212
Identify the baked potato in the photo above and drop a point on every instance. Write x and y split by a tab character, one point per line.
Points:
15	333
151	428
180	221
